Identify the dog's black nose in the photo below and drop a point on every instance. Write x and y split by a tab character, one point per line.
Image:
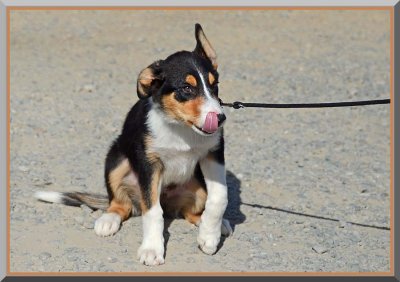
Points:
221	118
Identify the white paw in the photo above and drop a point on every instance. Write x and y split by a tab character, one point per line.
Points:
150	255
208	244
226	229
107	224
208	241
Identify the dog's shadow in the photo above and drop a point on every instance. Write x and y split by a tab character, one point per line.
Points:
232	213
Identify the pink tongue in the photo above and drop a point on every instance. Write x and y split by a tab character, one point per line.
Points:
211	123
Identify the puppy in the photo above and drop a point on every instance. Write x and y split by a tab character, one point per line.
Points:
169	157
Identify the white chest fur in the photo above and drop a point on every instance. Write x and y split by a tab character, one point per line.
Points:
178	146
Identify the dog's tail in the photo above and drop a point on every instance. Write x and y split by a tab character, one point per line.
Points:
94	201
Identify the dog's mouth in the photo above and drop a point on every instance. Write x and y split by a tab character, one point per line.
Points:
201	131
212	123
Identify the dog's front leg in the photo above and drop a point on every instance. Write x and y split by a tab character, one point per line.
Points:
151	251
217	199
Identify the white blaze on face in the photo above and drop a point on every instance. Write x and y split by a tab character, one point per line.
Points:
211	104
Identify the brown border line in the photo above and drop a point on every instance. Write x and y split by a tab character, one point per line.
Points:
391	142
8	106
205	273
390	273
255	8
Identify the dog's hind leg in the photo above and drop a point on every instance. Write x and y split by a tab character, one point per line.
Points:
193	209
120	201
189	201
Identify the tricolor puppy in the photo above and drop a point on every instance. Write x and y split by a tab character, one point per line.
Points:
169	157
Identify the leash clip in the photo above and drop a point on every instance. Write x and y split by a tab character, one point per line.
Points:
237	105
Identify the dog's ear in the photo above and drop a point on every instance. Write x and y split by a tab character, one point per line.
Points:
149	80
203	47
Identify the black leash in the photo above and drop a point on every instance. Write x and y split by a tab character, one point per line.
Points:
238	105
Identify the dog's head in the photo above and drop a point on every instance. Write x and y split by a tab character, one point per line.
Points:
185	87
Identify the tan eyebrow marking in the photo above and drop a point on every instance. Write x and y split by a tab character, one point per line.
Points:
191	80
211	78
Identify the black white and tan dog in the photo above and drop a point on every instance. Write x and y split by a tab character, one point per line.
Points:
169	157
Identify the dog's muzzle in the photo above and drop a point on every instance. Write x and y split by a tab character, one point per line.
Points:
221	118
213	121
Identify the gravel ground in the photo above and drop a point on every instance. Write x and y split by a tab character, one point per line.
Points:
299	180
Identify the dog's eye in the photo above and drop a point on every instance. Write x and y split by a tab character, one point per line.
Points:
187	89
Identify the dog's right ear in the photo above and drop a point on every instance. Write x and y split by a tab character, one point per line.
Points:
149	80
203	46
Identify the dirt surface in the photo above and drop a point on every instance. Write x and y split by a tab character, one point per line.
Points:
299	180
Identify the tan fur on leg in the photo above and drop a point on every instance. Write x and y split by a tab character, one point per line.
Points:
187	200
121	202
